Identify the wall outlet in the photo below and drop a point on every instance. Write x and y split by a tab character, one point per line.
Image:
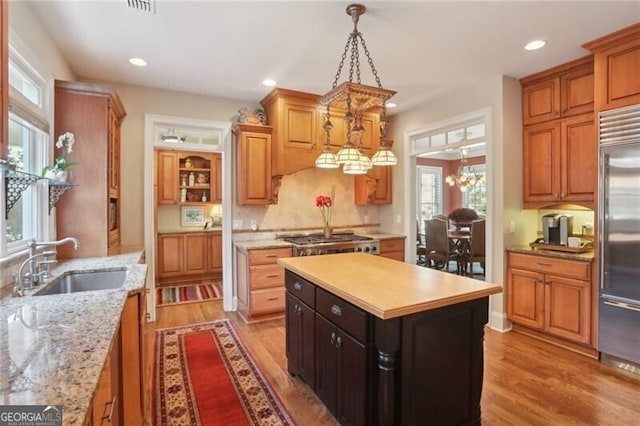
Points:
512	227
366	219
237	223
254	224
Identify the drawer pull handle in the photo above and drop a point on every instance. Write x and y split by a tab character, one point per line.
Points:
335	310
548	265
113	404
271	255
271	275
271	299
338	342
333	339
297	286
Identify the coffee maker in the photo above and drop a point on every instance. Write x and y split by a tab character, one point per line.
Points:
557	228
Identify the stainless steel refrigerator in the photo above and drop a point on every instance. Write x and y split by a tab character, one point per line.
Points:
619	233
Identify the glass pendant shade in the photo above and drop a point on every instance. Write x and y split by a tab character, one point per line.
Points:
384	157
327	160
354	168
365	161
347	154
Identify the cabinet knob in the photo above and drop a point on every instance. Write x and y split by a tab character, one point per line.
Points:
297	286
335	310
338	342
333	338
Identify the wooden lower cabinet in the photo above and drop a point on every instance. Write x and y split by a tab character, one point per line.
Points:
120	396
392	248
261	292
301	338
551	296
183	256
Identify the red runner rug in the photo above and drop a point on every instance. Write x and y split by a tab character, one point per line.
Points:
203	375
188	293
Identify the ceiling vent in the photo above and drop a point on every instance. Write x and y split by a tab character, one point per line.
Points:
143	5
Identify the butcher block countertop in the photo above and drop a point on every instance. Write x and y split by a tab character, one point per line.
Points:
387	288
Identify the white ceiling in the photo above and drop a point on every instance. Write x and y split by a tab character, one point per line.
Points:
226	49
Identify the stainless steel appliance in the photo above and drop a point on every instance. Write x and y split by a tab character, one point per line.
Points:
619	233
344	242
557	228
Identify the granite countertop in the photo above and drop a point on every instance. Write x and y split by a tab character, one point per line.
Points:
585	257
387	288
379	236
53	348
261	244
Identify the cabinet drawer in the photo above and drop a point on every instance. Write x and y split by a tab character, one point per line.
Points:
301	288
548	265
268	300
259	257
266	276
396	244
351	319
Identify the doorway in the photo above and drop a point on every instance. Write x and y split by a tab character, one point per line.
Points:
435	155
192	135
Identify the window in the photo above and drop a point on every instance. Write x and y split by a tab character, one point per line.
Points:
28	147
475	197
429	187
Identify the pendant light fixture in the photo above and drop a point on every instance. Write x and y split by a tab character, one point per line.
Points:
464	179
355	98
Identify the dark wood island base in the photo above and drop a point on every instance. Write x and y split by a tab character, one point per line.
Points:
420	368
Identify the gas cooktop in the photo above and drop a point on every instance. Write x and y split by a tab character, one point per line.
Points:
304	240
344	242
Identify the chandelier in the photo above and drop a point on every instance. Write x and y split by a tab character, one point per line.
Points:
355	98
464	179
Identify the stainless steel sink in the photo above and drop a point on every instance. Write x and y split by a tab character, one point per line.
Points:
73	282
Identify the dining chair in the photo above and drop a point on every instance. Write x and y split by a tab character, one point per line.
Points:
440	250
476	247
421	249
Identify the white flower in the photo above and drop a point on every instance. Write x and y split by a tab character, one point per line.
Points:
66	140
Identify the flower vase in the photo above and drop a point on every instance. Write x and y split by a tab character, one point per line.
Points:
328	231
61	175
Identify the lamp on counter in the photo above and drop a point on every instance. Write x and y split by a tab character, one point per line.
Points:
355	98
464	179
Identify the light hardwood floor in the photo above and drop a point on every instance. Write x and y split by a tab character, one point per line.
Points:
526	382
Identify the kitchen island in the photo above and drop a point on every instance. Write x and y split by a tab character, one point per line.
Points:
385	342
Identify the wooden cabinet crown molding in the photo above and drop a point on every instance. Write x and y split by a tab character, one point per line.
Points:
91	89
557	70
618	37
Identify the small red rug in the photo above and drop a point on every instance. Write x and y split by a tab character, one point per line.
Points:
188	293
204	376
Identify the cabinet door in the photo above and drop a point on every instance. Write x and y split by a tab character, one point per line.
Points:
301	334
215	252
576	89
299	135
541	163
170	255
375	187
114	153
352	380
293	334
617	60
167	183
195	253
525	297
579	159
541	101
568	308
253	178
326	363
216	179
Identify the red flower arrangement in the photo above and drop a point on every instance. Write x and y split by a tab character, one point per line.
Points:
325	204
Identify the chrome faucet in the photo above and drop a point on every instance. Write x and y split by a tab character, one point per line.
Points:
19	286
34	273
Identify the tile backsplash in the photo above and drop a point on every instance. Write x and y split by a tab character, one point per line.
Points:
580	218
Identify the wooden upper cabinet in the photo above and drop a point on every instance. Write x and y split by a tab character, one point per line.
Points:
560	162
296	129
167	180
559	92
375	187
616	65
253	168
93	113
4	79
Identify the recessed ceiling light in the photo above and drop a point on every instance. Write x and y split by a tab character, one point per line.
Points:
535	45
138	62
269	82
391	105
